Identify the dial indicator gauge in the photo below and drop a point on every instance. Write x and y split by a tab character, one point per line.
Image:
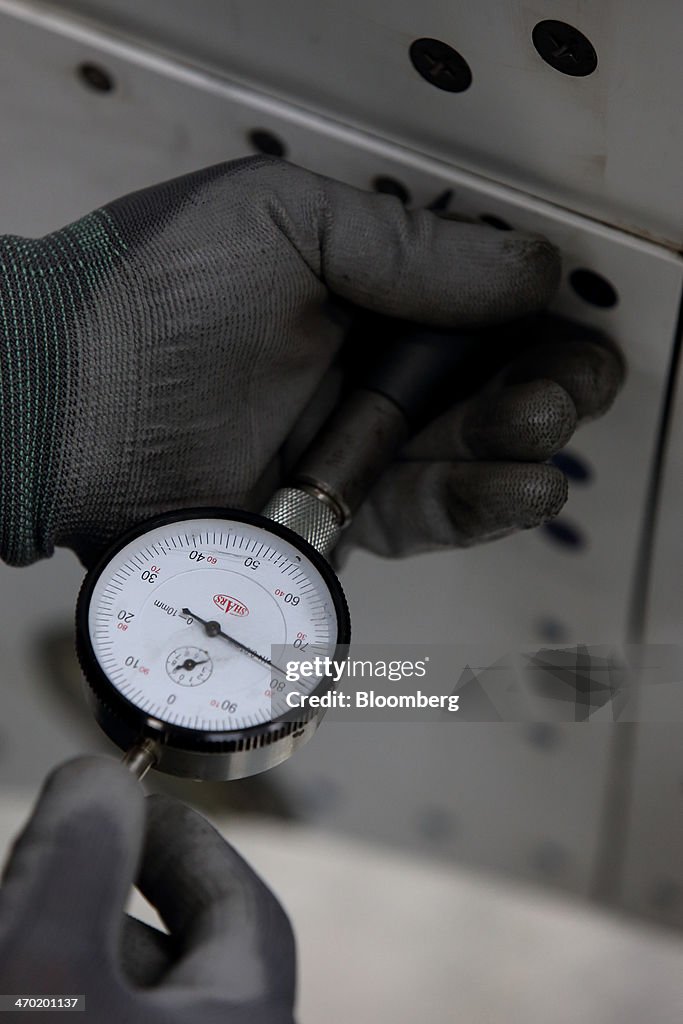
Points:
184	626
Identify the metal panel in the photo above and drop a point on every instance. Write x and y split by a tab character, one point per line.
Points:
587	143
652	883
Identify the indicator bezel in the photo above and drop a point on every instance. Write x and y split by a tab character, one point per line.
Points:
133	723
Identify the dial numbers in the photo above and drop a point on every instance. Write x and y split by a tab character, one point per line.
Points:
207	600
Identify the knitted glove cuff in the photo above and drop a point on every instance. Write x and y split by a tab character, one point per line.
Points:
45	287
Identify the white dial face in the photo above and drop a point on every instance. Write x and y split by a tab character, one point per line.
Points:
184	618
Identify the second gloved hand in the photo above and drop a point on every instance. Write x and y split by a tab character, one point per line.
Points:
229	957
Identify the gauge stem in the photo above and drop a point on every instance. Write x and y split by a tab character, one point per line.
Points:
140	758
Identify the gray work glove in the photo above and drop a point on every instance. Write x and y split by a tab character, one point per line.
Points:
160	352
229	957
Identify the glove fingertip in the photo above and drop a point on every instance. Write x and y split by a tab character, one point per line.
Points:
540	261
90	781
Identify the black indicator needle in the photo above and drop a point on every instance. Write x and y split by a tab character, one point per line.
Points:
189	664
213	628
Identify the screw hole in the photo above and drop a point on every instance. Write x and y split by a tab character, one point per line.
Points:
562	532
440	65
543	735
266	142
593	288
564	48
391	187
442	201
551	630
95	77
495	222
573	467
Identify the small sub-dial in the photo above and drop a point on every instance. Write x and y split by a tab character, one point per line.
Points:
189	666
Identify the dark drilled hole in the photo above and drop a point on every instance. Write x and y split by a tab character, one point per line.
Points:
495	222
266	142
391	187
95	77
573	466
593	288
565	534
564	48
440	65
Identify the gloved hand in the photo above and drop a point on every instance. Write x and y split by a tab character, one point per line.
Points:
160	352
479	471
229	958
